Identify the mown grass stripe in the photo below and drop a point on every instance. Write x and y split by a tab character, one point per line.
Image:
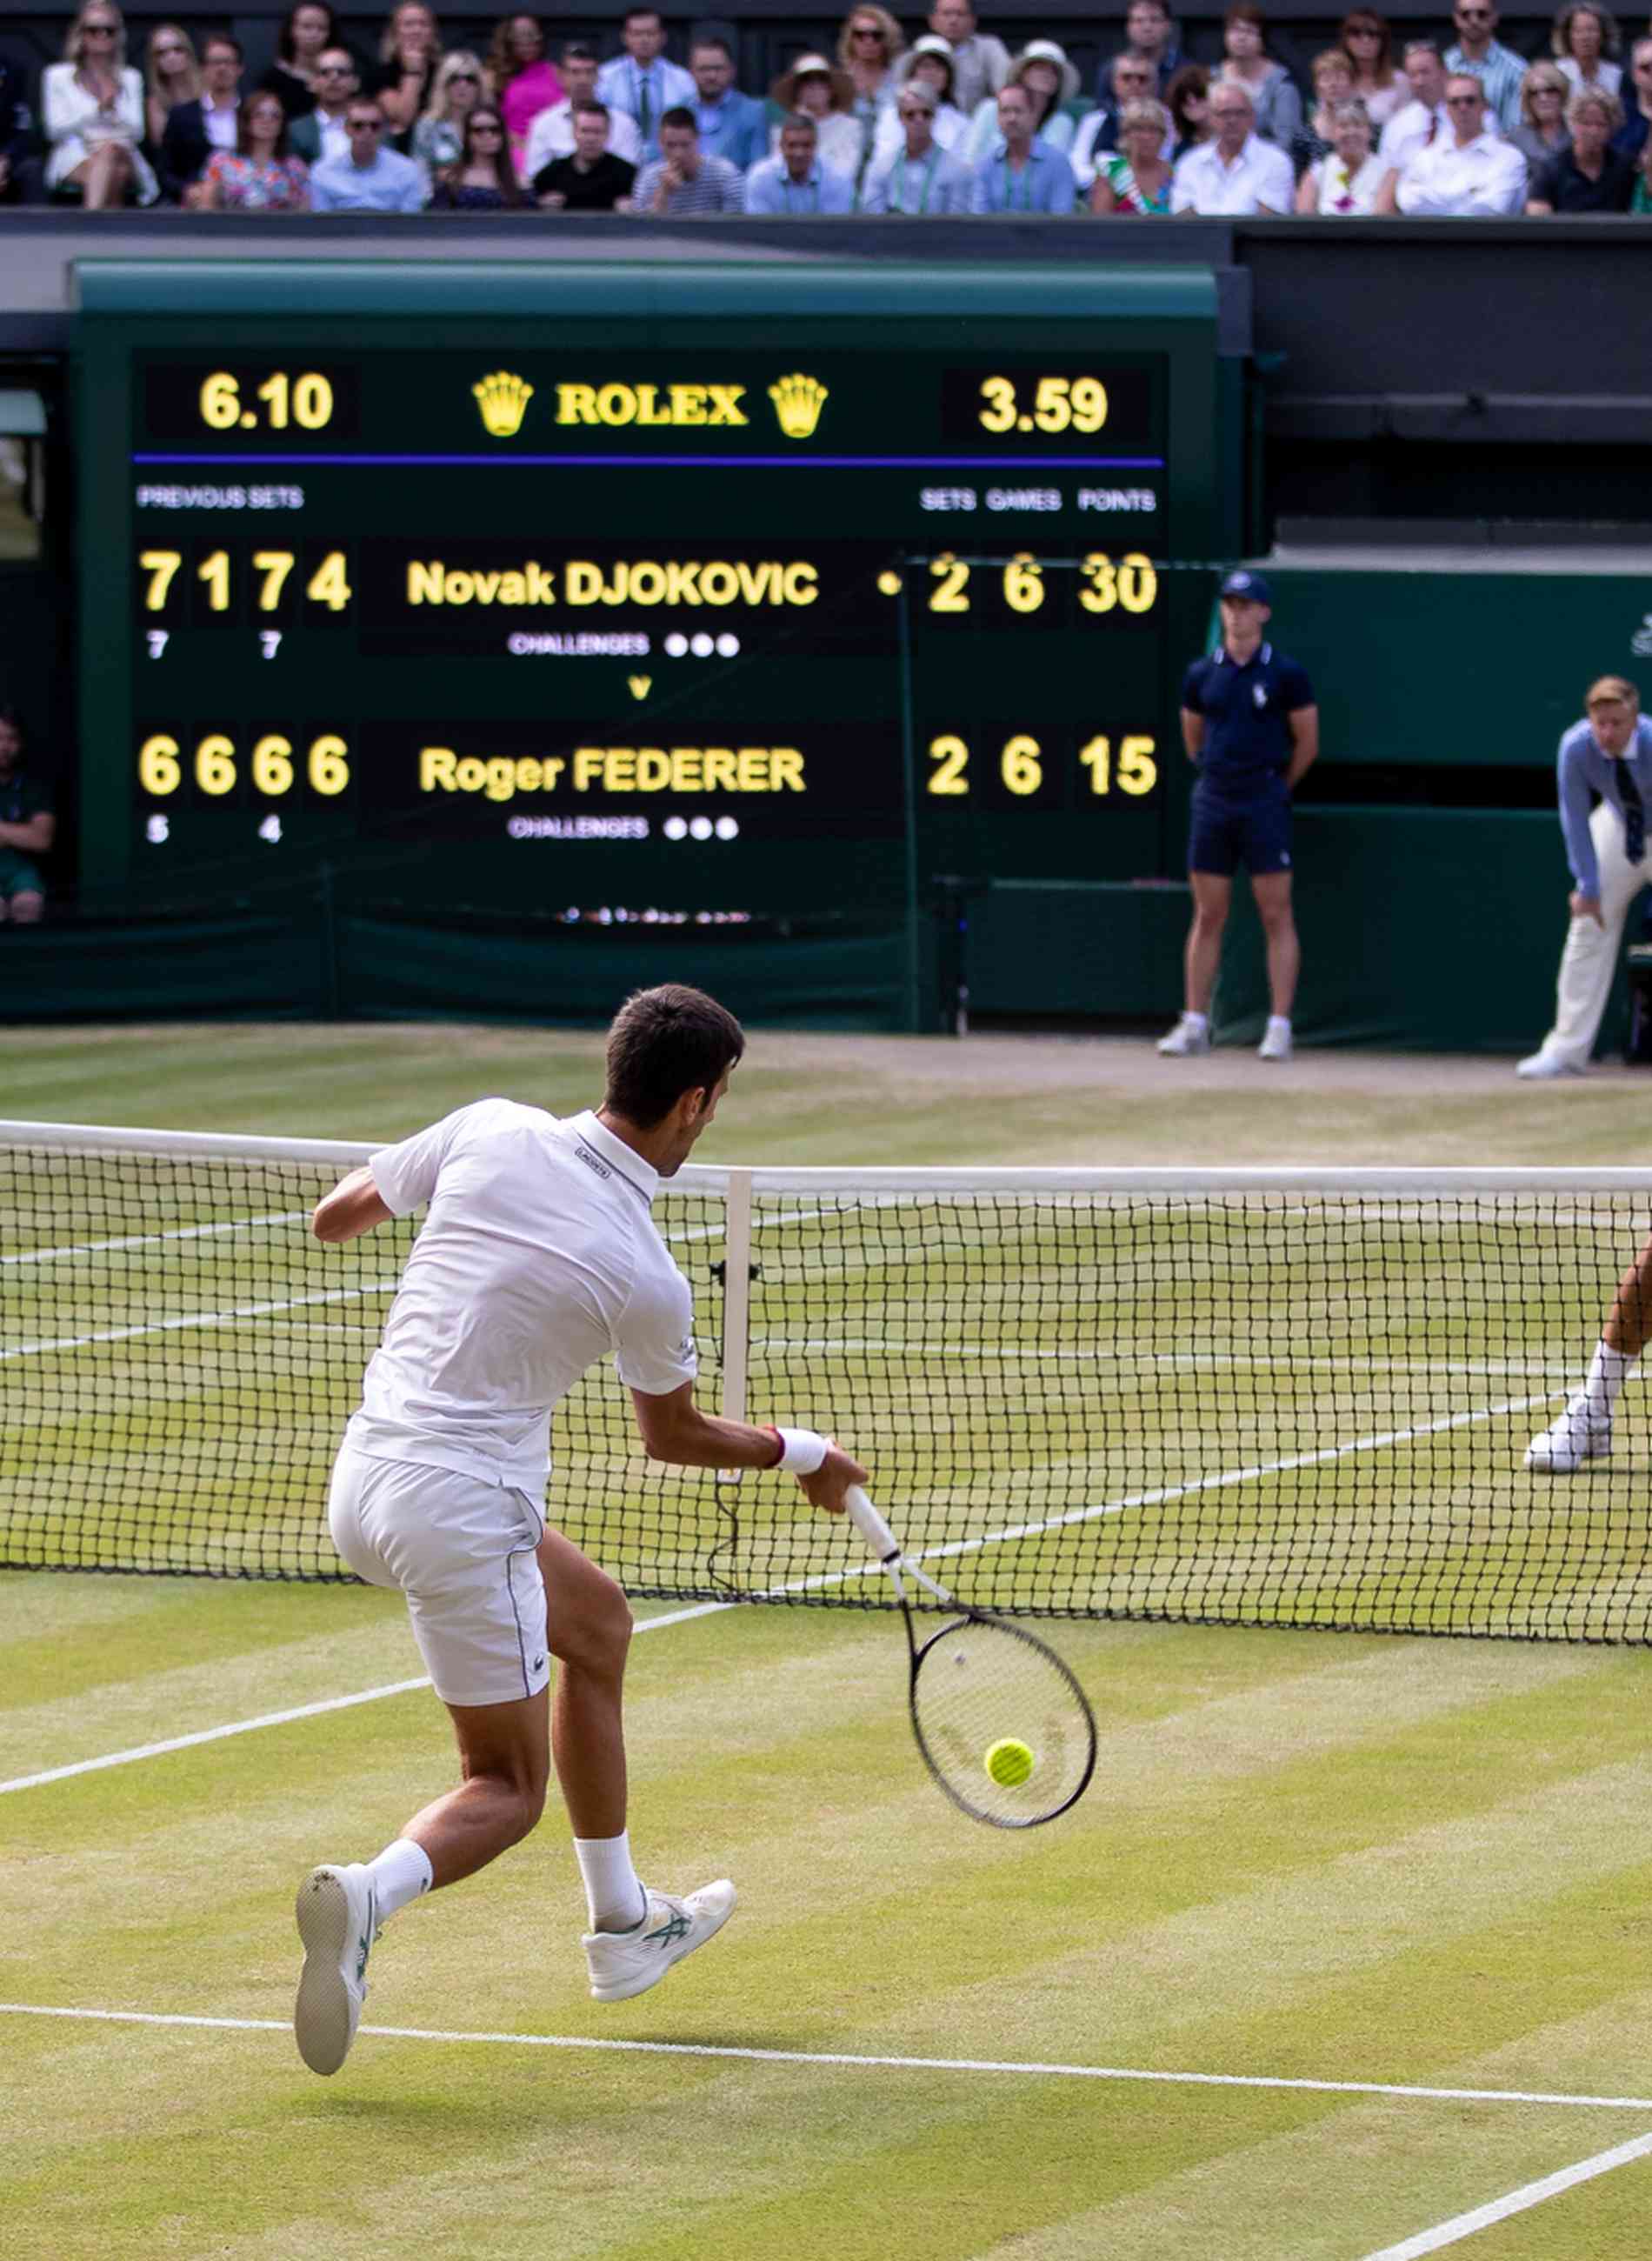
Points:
283	1718
608	2045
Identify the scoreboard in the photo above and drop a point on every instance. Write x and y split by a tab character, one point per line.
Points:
706	593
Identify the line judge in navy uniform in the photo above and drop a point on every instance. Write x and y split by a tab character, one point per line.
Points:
1250	722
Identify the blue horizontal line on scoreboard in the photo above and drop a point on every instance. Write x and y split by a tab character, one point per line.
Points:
697	463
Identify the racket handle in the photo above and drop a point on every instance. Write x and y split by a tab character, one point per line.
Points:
870	1525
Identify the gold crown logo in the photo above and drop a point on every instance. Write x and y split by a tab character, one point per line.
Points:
798	401
503	400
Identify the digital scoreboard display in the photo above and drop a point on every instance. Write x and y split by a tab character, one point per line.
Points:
778	610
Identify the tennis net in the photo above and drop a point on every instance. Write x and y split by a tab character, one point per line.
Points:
1292	1398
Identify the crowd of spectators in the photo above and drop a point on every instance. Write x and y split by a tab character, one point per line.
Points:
951	122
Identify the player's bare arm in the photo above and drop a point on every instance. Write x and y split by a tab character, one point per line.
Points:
1304	739
1192	733
355	1206
674	1429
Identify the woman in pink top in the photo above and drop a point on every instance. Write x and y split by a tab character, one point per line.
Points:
524	83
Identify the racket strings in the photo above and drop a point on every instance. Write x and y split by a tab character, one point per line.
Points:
1000	1722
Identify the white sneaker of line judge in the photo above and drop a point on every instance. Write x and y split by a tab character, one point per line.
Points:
1583	1432
1190	1035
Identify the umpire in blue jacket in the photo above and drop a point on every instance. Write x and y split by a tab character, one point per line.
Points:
1250	722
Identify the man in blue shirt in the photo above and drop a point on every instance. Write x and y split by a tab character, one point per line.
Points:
796	181
1021	173
371	178
643	82
732	125
1609	753
1250	722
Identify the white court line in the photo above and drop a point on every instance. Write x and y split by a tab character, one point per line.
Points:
282	1718
1032	2068
189	1320
154	1239
1160	1497
1517	2201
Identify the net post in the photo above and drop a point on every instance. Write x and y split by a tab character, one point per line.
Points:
736	1303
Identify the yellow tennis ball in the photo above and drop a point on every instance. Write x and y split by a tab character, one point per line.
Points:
1009	1763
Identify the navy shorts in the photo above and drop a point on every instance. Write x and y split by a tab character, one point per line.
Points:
1227	833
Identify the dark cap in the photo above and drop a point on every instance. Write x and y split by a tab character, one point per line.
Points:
1251	586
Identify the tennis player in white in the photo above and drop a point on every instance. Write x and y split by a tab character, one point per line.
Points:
537	1258
1583	1431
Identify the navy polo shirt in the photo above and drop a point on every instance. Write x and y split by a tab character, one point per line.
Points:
1247	737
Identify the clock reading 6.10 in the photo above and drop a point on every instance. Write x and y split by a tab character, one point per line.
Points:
306	400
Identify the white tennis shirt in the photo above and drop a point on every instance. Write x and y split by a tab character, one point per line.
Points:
539	1256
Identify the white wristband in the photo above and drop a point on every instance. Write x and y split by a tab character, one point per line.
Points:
801	1450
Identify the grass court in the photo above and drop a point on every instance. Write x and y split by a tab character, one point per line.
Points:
1346	1948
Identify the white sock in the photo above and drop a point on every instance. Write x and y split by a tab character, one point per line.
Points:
401	1873
1279	1022
1608	1371
1199	1021
614	1891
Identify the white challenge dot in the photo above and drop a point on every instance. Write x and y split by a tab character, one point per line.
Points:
674	828
701	646
676	644
700	827
728	827
727	645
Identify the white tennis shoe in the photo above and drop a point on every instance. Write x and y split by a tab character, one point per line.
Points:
1188	1038
1275	1044
338	1922
1583	1432
1542	1065
627	1963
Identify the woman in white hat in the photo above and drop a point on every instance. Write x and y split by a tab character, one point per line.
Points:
930	63
1051	82
826	95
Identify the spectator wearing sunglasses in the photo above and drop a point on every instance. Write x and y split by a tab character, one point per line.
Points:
1131	78
196	130
485	178
92	113
308	32
369	178
1588	175
1469	172
455	91
321	133
172	74
919	178
1477	55
1369	40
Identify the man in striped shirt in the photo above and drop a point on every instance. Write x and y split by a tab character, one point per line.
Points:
683	182
1479	53
1609	754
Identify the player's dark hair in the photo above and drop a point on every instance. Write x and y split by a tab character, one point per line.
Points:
665	1042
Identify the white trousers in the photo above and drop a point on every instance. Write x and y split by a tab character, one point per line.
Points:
1590	959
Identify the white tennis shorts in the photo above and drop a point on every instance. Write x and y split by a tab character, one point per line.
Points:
463	1553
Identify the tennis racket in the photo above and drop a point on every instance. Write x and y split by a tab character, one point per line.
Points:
1003	1727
